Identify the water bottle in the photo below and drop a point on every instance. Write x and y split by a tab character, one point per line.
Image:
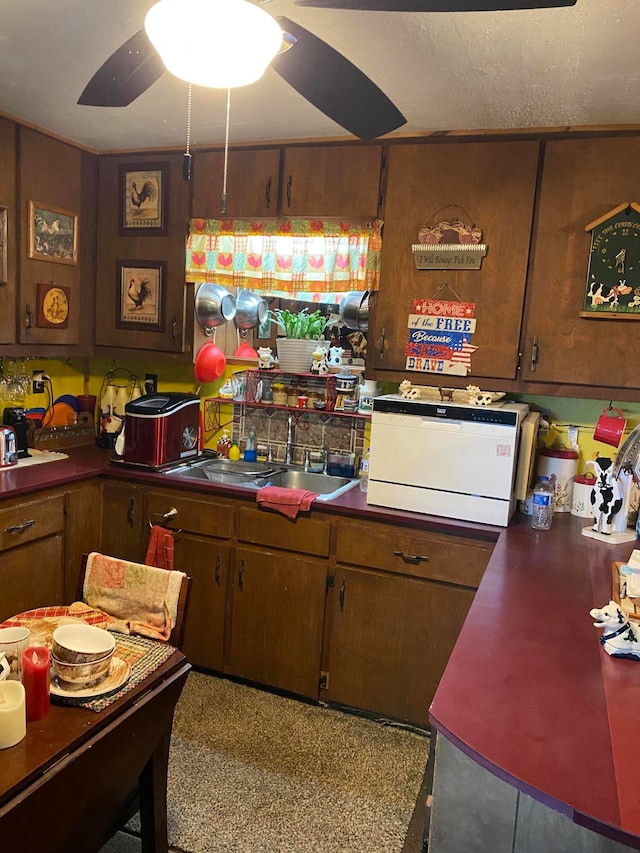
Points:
364	472
543	497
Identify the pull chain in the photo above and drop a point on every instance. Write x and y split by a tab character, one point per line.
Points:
223	199
186	160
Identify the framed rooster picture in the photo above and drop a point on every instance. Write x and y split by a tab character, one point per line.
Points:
141	295
143	199
53	234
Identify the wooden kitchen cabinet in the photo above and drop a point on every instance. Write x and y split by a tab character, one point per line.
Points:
489	184
173	333
582	179
394	614
277	618
83	526
56	176
253	180
31	554
8	233
332	180
123	521
202	549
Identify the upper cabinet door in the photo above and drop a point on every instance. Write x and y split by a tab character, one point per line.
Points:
493	185
141	291
58	202
332	180
582	180
8	231
252	183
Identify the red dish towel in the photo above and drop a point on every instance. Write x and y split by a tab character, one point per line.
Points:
287	501
161	547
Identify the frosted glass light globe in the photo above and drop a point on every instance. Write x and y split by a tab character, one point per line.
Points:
213	43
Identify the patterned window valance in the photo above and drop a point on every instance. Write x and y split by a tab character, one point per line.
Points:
291	257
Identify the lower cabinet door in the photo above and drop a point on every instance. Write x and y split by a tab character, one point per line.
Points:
206	561
277	618
390	639
32	575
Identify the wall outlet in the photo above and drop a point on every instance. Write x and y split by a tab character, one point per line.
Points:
37	383
151	383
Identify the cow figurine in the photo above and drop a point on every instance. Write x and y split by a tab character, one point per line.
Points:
319	364
265	358
335	356
620	638
606	496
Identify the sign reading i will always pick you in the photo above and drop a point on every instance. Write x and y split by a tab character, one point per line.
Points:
440	332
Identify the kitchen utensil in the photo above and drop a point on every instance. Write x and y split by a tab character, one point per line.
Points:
354	310
610	427
214	306
251	309
210	362
8	447
245	351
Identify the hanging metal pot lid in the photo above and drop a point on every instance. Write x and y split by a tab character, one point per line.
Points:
251	309
354	310
214	305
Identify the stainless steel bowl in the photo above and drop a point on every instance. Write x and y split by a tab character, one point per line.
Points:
251	309
214	306
354	310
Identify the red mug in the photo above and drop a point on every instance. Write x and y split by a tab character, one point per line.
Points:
610	427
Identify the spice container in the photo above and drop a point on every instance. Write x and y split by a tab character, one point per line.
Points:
279	394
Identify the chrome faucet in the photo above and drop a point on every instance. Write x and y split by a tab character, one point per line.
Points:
291	433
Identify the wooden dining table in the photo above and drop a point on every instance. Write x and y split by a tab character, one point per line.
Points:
64	786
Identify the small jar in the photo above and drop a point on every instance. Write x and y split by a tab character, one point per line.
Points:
312	398
279	394
292	397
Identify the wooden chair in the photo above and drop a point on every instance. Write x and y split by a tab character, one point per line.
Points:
177	634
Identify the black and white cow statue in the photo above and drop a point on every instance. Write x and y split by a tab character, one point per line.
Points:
606	496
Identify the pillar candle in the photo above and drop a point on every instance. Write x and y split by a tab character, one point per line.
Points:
13	719
35	678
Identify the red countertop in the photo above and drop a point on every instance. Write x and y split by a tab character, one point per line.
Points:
528	691
530	694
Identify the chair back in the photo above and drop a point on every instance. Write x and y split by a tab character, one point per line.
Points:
178	629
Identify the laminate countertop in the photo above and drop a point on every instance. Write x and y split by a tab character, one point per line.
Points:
528	692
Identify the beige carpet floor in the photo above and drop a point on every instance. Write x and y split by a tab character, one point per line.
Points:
253	772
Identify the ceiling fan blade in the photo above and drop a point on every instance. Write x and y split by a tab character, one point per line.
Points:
125	75
335	86
435	5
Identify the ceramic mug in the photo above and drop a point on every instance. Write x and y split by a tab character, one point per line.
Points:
13	641
5	669
610	427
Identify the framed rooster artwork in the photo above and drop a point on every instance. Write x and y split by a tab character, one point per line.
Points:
141	295
53	234
143	199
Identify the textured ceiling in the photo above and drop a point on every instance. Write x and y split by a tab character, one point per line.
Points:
444	71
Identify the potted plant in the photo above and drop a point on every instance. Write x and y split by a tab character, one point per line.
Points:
303	330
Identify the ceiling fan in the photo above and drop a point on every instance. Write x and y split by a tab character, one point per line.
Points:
324	77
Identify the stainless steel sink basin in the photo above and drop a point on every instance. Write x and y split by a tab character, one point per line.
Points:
255	475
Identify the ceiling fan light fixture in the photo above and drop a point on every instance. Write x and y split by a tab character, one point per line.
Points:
213	43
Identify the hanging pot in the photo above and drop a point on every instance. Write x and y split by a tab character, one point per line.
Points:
214	306
210	362
354	310
251	309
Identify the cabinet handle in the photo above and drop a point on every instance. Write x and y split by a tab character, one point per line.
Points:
131	512
344	583
414	559
289	182
217	571
241	576
534	354
381	345
174	330
18	528
267	191
28	320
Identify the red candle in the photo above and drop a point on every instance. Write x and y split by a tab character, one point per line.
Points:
35	678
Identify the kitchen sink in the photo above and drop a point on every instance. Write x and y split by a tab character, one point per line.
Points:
255	475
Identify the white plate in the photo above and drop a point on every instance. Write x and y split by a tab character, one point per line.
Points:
118	675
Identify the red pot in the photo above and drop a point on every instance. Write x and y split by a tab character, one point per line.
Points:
210	363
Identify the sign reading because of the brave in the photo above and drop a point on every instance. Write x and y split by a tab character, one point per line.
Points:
439	337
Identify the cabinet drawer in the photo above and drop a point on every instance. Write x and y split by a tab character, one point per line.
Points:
305	535
25	522
208	517
405	550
